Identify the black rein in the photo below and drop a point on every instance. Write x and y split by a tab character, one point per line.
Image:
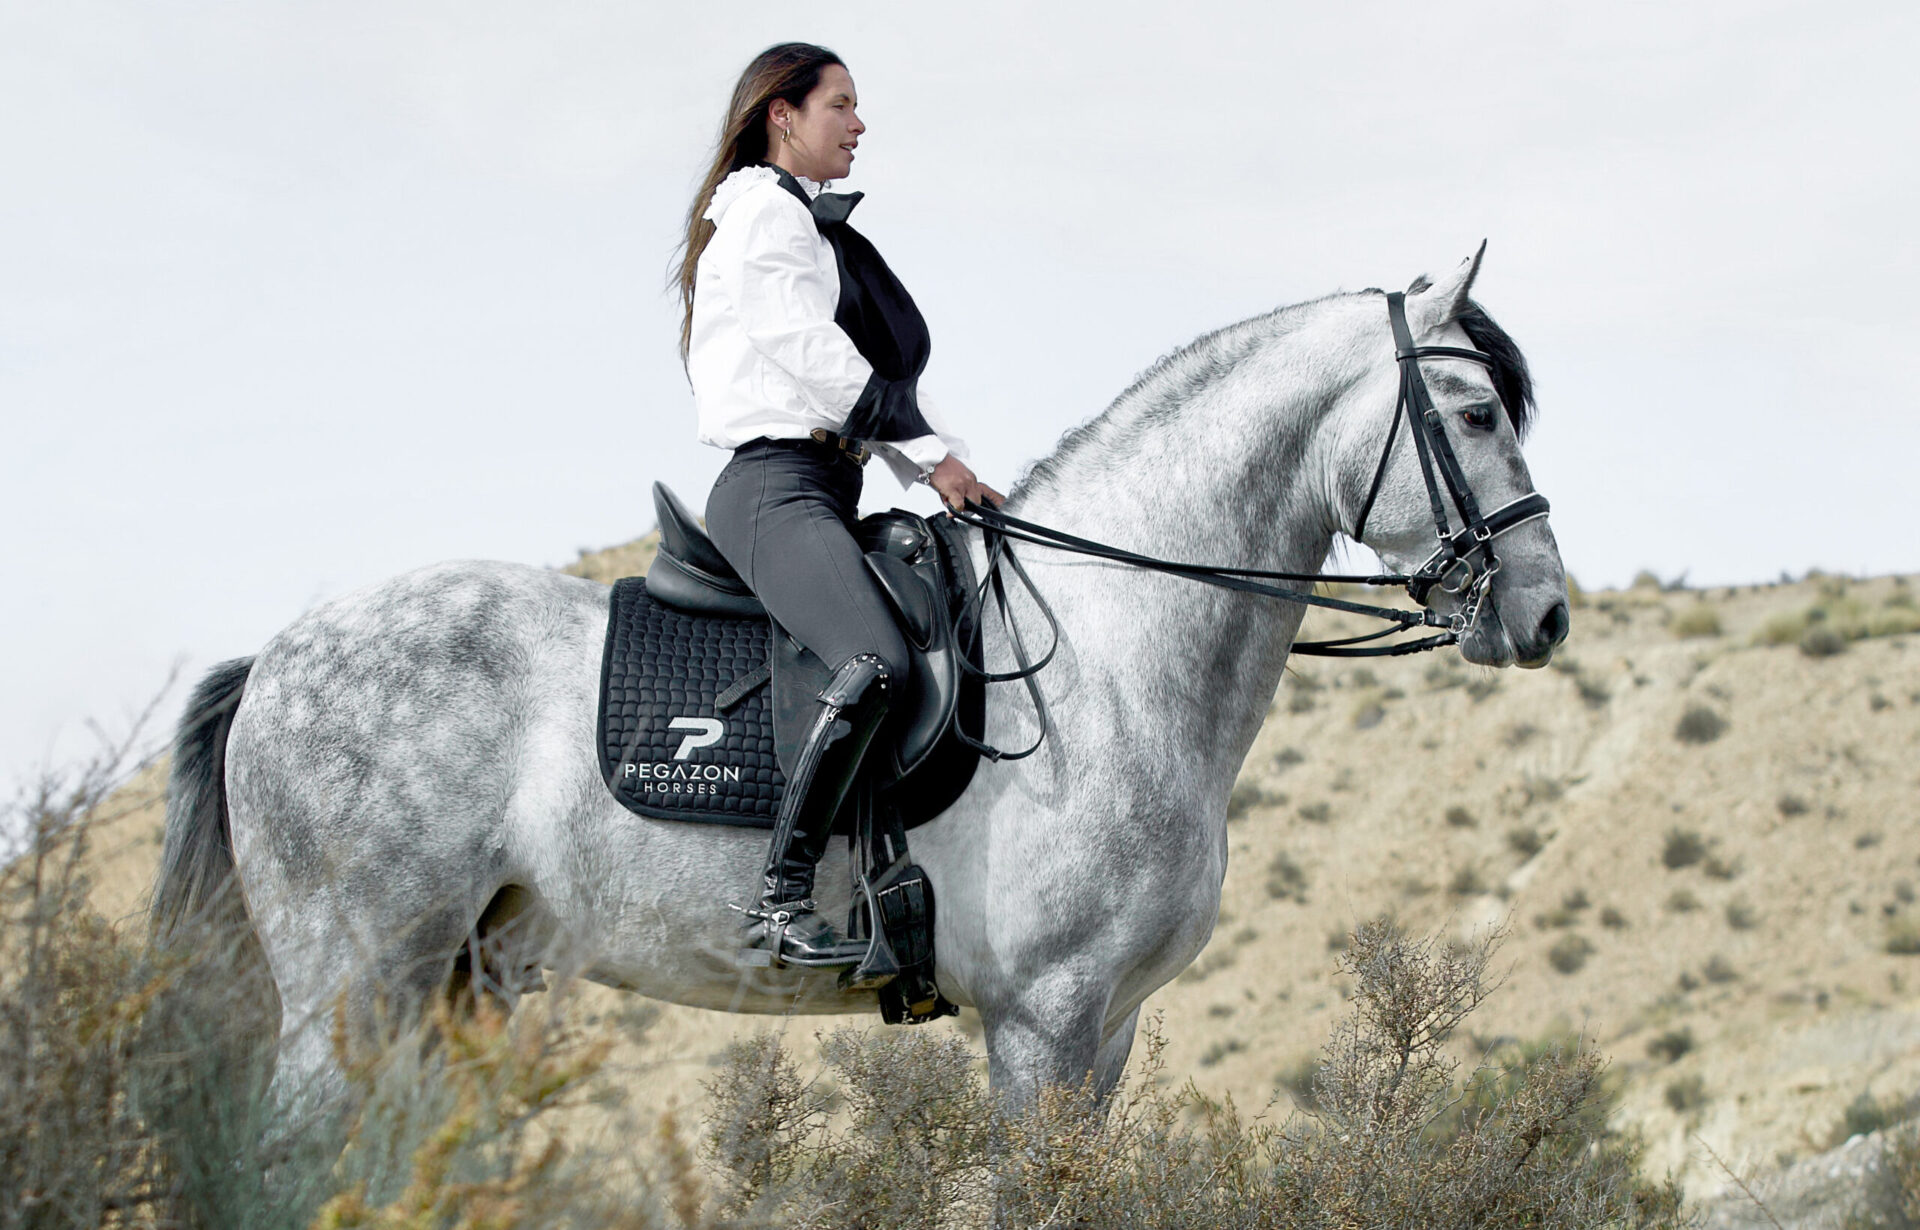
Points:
1462	563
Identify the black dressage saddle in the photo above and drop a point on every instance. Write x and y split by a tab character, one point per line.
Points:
705	699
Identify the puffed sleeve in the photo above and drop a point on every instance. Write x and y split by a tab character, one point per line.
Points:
786	303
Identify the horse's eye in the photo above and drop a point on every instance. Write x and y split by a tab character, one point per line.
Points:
1478	416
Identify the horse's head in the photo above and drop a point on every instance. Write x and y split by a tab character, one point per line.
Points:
1507	591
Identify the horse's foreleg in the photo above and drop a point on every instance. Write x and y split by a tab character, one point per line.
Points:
1111	1061
1049	1035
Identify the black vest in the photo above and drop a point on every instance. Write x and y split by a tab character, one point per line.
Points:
881	318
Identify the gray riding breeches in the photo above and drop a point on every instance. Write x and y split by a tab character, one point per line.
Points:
782	512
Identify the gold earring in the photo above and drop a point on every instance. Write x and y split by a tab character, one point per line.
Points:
786	134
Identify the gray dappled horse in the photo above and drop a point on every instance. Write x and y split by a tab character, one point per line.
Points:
414	765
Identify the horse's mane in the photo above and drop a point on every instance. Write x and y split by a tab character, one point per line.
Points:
1177	376
1512	379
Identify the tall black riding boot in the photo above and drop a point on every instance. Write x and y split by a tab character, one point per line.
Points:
786	927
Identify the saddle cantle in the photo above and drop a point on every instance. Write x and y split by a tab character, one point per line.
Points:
689	731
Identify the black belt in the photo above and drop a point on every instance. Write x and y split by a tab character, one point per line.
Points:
852	450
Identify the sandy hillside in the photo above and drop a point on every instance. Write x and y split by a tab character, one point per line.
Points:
1749	984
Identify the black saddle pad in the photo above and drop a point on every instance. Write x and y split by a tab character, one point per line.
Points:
666	750
669	752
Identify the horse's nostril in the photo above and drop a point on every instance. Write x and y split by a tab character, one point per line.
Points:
1555	625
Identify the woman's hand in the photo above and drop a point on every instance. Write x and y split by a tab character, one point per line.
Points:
957	484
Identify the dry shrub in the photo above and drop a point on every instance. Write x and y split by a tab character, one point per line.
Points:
1698	620
1699	724
1682	848
1686	1095
1672	1044
1891	1199
73	993
456	1126
1569	953
1286	880
1822	640
1392	1138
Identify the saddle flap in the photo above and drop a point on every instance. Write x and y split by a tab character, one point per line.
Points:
912	601
686	588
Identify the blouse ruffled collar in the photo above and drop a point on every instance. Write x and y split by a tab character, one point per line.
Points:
736	185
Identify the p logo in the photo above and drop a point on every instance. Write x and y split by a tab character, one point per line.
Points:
707	732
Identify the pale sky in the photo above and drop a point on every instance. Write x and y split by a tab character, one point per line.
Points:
295	296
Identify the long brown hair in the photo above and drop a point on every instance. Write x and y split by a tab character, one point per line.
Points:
786	70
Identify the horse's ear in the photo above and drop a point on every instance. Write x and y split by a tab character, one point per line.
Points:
1430	306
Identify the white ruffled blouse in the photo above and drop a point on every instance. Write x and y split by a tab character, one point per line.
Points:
765	357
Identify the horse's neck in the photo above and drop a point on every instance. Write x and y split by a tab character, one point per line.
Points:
1227	470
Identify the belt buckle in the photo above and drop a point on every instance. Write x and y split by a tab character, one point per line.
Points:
850	449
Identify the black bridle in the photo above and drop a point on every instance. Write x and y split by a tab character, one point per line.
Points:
1463	562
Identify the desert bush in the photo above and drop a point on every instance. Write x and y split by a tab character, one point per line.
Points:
1569	953
459	1123
1890	1197
1682	848
1718	969
1699	724
1541	788
1741	916
74	991
1248	794
1791	805
1220	1050
1718	868
1698	620
1903	938
1286	880
1686	1095
1669	1045
1867	1114
1682	901
1390	1138
1525	841
1822	640
1612	919
1467	881
1519	734
1894	619
1460	818
1318	813
1782	629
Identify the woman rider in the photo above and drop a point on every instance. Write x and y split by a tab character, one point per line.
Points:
805	353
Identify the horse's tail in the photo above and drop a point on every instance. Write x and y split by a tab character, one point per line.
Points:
211	1030
196	860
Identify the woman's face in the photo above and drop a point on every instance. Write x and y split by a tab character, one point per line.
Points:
816	140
